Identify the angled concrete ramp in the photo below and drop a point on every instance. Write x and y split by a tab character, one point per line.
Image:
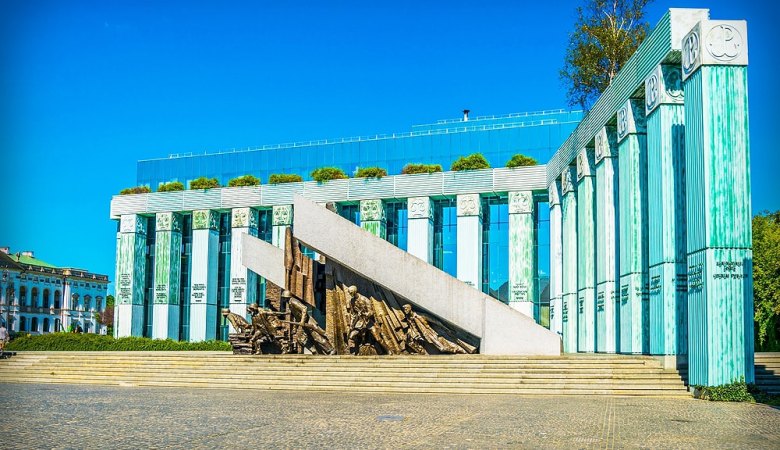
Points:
502	330
263	259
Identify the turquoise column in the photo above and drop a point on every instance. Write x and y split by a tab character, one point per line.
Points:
167	276
586	251
666	210
203	275
719	236
569	273
130	276
556	258
372	217
282	217
243	282
523	292
634	307
607	248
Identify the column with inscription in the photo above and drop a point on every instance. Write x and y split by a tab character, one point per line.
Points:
203	276
666	211
420	228
586	251
282	217
130	276
607	253
719	235
167	276
556	258
523	291
372	217
569	273
634	307
243	282
469	233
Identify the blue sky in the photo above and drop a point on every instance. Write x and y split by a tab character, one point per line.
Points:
89	88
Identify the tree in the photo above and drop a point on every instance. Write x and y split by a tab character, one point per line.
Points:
520	160
474	161
246	180
413	168
371	172
324	174
204	183
606	34
106	317
766	280
170	187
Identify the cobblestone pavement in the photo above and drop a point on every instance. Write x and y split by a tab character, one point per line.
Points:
71	416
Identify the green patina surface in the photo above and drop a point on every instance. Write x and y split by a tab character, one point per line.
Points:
586	264
131	268
167	267
375	227
569	313
29	260
522	258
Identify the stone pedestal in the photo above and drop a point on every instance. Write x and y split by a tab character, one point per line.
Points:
470	239
523	291
634	305
719	237
203	276
167	276
420	228
130	276
607	253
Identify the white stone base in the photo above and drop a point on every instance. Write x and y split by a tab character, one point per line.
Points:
202	324
129	320
166	322
526	308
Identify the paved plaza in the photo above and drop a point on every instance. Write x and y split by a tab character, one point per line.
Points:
70	416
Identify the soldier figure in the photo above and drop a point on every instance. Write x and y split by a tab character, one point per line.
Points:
359	308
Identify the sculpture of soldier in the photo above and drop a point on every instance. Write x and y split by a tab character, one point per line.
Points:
265	328
308	328
362	319
419	324
239	324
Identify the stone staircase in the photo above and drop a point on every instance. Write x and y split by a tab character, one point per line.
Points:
768	372
461	374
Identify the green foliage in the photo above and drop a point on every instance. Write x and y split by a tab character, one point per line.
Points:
737	391
371	172
280	178
204	183
135	190
766	280
474	161
169	187
96	342
605	36
328	173
520	160
106	317
246	180
420	168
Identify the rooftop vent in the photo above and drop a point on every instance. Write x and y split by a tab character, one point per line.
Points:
28	253
466	115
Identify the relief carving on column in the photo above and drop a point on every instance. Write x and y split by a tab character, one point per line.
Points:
663	86
168	221
132	223
204	219
631	118
605	143
469	205
243	218
714	42
585	163
419	208
554	193
372	210
521	202
282	215
567	180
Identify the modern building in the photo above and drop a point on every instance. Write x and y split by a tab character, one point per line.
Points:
640	213
38	297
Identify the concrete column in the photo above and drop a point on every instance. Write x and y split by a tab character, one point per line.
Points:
569	273
130	277
469	232
167	276
203	275
373	218
586	251
556	258
666	211
634	305
523	291
282	217
420	228
243	282
607	253
718	207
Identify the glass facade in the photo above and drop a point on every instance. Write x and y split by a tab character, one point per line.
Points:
498	138
184	285
223	274
397	224
151	234
495	247
350	212
445	235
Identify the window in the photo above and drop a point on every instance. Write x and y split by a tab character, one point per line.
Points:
445	237
495	247
34	325
397	224
46	326
45	298
351	213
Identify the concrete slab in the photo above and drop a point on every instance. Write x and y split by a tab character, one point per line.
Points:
263	259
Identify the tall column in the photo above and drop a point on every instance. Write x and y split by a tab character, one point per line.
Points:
469	232
634	307
666	211
420	228
586	251
556	258
569	274
607	253
243	282
372	217
719	236
203	275
130	277
282	217
167	276
523	291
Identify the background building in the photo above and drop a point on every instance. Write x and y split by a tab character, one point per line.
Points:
38	297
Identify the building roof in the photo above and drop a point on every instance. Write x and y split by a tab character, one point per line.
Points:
6	262
30	261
